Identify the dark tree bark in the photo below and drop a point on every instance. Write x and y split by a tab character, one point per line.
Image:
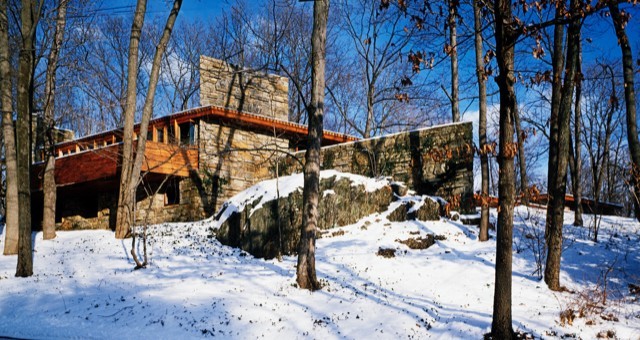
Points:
49	180
29	19
599	152
558	168
306	269
619	22
453	37
482	128
522	161
501	326
11	218
575	154
557	60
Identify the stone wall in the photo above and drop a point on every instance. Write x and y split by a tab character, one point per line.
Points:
225	85
150	209
432	161
232	160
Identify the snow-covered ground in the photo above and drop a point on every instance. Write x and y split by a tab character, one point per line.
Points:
84	285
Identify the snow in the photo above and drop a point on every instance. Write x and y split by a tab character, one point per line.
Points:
84	286
270	190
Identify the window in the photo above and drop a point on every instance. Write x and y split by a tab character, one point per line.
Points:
187	133
172	135
172	193
150	135
160	132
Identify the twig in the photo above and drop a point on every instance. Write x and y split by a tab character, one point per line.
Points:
121	309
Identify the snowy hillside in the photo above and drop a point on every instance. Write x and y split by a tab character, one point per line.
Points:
84	285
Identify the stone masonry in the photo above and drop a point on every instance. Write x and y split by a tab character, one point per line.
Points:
433	161
226	85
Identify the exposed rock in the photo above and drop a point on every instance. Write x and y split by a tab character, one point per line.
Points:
399	189
274	228
386	252
428	210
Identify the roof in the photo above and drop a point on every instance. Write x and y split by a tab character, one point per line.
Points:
252	121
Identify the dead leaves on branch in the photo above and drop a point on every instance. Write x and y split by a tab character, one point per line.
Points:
418	58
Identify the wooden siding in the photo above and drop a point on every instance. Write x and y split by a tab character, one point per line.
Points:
104	162
169	159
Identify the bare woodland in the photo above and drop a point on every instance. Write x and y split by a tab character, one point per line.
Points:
544	93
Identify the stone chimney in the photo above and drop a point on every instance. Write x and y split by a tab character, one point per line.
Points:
225	85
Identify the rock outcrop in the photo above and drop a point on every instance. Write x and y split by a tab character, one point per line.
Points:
266	222
274	227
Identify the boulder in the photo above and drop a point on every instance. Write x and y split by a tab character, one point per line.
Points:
272	228
423	208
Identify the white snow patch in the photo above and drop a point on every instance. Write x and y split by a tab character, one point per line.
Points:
84	286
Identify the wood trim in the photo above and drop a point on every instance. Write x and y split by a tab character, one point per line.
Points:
251	121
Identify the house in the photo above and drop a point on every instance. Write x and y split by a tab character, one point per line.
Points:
198	158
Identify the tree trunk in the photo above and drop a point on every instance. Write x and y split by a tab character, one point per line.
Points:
11	218
49	181
557	60
147	109
453	36
124	214
29	17
557	193
482	128
522	161
134	165
630	101
370	98
501	326
306	269
575	163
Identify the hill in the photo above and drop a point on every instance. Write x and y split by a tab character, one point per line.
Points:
84	285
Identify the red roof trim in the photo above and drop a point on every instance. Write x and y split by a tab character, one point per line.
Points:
248	119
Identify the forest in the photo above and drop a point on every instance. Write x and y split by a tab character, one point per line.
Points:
550	87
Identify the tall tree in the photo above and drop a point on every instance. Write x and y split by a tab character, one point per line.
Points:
620	20
482	126
522	161
378	38
131	167
11	218
505	35
49	180
306	269
560	131
29	15
575	154
453	54
124	214
602	114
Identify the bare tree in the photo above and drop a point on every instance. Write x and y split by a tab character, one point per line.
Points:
306	269
482	126
575	148
620	19
49	180
559	140
453	54
11	221
380	39
506	36
30	14
601	120
180	80
131	165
